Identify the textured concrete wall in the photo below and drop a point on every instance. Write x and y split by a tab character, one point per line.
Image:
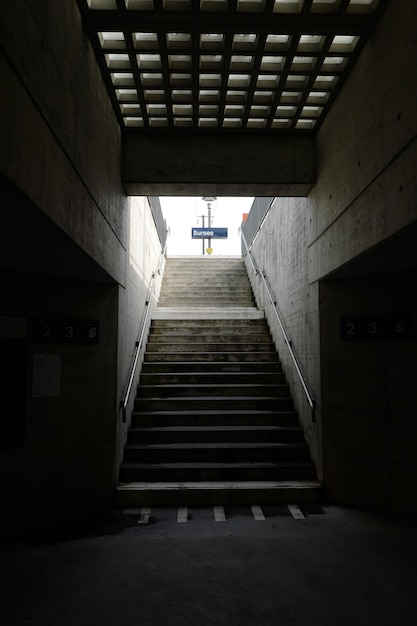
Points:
362	209
60	138
369	406
367	149
72	245
218	164
143	258
281	250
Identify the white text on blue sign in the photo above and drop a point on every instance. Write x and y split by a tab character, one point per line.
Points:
209	233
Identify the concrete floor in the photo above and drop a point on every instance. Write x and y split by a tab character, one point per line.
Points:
335	567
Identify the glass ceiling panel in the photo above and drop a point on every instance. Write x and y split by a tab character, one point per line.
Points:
215	64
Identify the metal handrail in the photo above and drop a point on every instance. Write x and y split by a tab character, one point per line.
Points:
139	342
257	270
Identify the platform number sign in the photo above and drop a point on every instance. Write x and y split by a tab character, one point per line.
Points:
350	327
374	326
67	330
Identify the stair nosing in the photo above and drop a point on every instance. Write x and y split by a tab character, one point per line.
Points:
218	445
220	484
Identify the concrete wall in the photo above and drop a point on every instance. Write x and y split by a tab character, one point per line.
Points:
72	246
207	164
357	224
144	255
63	464
367	149
369	405
281	251
60	139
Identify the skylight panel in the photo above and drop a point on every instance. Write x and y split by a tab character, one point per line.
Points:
362	6
210	41
140	5
112	40
288	6
179	41
102	4
149	61
343	43
213	5
244	41
251	5
145	41
276	43
177	5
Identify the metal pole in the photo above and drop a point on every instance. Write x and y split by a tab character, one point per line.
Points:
209	200
209	222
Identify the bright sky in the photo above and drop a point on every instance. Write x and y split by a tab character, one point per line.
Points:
182	214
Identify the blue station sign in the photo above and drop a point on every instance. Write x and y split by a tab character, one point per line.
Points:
208	233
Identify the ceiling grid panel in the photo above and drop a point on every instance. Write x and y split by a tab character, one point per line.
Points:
268	66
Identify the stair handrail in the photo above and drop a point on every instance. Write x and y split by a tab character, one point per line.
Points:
141	334
287	341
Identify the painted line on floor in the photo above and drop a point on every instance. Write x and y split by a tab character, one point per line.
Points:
295	511
219	514
182	515
257	512
145	514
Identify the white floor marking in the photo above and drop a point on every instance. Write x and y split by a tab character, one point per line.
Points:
182	515
257	512
219	514
295	511
145	514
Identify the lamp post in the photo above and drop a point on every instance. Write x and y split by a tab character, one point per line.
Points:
209	200
203	217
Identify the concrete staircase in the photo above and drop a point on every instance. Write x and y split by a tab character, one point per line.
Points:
213	421
206	282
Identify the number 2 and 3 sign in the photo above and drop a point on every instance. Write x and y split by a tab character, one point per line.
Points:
374	326
67	330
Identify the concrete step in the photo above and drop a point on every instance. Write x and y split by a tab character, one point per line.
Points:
186	299
207	313
208	261
209	366
203	269
200	493
207	301
203	285
214	403
205	280
219	283
213	378
197	288
209	417
209	334
197	346
228	325
213	434
219	357
197	265
285	470
212	390
209	337
218	452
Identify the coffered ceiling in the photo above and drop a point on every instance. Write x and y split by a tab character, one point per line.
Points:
269	66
